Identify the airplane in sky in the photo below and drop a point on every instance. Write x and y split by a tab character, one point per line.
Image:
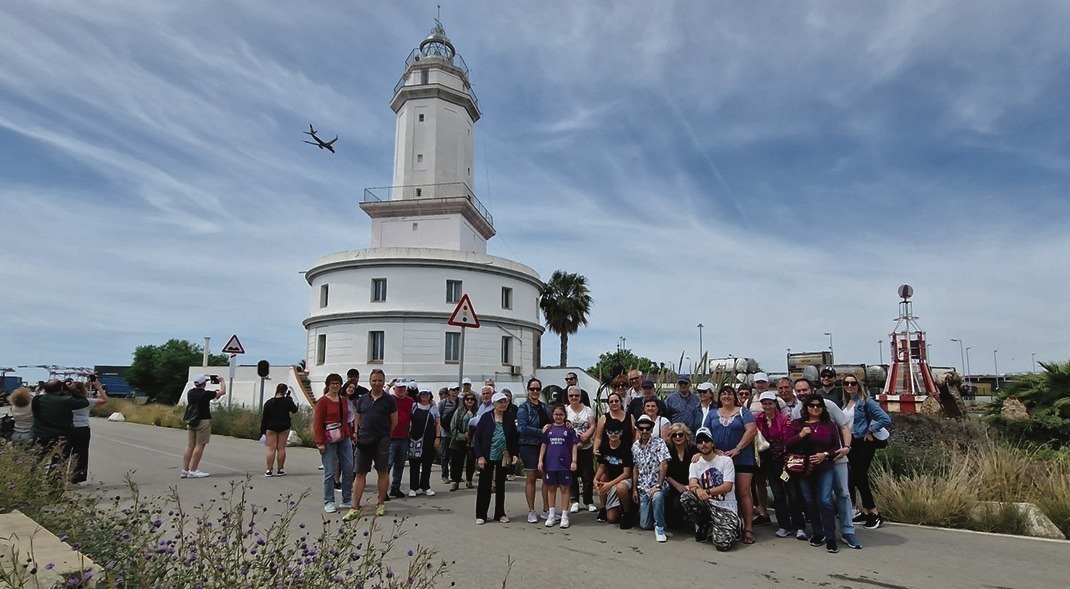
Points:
328	145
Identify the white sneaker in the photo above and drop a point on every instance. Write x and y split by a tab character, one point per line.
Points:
197	474
659	534
185	474
412	492
544	515
533	518
575	507
564	521
329	507
592	508
429	493
550	522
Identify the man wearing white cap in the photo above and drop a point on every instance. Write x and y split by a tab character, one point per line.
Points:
651	458
199	423
710	501
466	386
399	436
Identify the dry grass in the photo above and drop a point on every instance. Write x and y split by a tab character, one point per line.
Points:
986	470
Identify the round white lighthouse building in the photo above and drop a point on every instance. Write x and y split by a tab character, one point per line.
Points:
387	306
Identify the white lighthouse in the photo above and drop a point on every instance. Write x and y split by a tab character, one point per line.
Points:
387	306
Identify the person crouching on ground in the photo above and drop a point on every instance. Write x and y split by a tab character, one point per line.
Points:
613	481
710	502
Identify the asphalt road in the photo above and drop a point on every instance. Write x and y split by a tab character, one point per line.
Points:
588	553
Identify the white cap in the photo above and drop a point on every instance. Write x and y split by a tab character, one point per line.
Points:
706	386
412	385
767	396
200	379
644	418
466	381
499	397
704	431
761	376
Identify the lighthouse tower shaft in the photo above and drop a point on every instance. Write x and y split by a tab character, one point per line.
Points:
431	203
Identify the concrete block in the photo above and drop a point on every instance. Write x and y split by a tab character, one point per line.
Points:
23	538
116	417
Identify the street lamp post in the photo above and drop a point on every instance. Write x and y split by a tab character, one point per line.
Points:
829	333
880	350
995	366
968	371
699	342
1034	362
962	355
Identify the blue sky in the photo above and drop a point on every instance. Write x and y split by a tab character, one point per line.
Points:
771	170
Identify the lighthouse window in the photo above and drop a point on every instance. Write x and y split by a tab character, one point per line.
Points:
507	350
507	297
453	291
321	349
378	290
421	119
419	157
453	348
376	346
424	79
324	291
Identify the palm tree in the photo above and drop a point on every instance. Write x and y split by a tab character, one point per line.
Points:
565	303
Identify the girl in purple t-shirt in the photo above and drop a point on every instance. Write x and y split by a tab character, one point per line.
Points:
557	460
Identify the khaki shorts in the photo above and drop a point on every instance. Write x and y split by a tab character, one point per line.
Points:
198	435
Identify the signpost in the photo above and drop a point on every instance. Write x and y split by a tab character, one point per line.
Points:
463	316
233	348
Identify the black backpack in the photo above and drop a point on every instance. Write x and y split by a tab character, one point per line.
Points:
7	427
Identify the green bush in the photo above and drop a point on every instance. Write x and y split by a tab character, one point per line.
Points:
27	483
1043	430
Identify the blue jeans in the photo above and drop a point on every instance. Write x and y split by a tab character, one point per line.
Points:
399	454
841	488
645	505
817	495
336	453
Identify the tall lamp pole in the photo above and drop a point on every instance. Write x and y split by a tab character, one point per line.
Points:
1034	362
962	354
968	371
880	350
699	341
829	333
995	366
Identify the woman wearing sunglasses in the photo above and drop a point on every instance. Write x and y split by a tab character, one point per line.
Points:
816	436
681	451
582	418
869	418
733	430
615	419
460	443
532	416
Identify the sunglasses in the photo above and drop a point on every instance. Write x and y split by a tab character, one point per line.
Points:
703	441
614	400
815	406
634	378
678	435
570	378
850	383
645	429
573	396
613	432
534	388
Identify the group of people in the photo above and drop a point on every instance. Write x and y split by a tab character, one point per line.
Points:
706	459
55	419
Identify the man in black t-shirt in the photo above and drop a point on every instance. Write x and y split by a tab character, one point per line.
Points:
376	418
199	423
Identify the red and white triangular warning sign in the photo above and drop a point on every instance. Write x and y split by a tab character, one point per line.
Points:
464	315
233	346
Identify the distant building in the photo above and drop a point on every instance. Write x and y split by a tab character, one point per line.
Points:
387	306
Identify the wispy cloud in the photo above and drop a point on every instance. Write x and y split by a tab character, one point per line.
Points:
771	172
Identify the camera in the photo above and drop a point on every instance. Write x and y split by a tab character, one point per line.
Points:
92	378
214	378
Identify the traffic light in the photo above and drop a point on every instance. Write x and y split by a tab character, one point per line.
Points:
263	368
